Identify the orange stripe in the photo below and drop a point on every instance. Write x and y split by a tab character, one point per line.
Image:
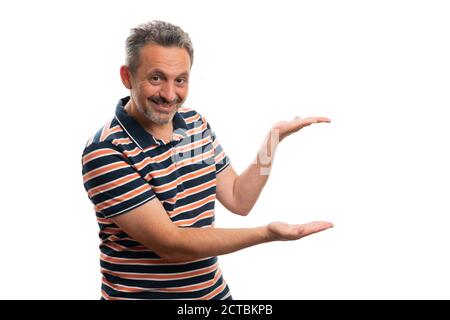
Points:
163	172
132	153
163	156
122	288
194	287
108	297
167	154
110	230
192	119
151	148
219	157
215	292
197	173
103	221
119	248
188	222
173	166
190	191
166	171
188	147
190	288
183	178
121	141
198	158
113	184
197	189
124	197
192	206
114	238
98	153
105	130
191	146
158	158
155	261
167	186
103	170
160	276
106	258
196	130
112	130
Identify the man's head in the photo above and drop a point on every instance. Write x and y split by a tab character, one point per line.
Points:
159	57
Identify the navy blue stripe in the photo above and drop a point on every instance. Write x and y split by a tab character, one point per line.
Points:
197	196
155	284
166	268
128	204
203	222
162	295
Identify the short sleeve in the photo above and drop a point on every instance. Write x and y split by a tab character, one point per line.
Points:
220	158
112	184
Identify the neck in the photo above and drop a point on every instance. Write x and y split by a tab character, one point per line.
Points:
159	131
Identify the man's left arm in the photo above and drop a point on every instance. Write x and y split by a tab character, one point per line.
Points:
238	193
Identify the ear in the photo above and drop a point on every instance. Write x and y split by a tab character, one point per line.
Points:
125	75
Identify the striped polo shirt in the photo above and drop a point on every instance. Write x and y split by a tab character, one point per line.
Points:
124	167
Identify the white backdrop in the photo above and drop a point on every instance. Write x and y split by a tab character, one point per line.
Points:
379	69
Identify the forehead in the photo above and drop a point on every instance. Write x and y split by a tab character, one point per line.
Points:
168	59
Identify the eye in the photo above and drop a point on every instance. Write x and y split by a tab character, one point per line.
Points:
180	81
155	79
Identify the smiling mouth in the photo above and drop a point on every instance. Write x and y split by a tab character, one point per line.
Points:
163	108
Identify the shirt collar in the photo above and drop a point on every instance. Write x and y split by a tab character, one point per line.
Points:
139	135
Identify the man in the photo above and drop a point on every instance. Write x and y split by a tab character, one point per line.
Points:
154	171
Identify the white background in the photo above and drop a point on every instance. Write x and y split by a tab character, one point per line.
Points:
380	171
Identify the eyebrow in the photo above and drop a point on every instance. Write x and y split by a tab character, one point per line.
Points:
184	74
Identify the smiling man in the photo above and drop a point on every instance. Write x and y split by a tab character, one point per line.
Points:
154	171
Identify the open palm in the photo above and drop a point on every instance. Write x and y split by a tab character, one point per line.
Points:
287	128
284	231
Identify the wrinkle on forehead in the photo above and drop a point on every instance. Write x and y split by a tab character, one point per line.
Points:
170	60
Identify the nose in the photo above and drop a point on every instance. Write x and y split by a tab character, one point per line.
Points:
168	92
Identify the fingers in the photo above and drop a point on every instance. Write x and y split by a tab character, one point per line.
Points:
310	120
297	123
284	231
314	227
288	127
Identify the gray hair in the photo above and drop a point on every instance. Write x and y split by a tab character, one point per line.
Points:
157	32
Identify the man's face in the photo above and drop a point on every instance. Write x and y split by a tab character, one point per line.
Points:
160	84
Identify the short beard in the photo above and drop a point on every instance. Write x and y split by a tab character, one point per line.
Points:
154	116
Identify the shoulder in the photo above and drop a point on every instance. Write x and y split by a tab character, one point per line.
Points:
192	117
105	141
108	134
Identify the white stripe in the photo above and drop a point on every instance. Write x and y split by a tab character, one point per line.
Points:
100	155
190	194
221	169
114	185
129	208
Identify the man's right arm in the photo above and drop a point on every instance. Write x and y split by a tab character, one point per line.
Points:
114	186
150	225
